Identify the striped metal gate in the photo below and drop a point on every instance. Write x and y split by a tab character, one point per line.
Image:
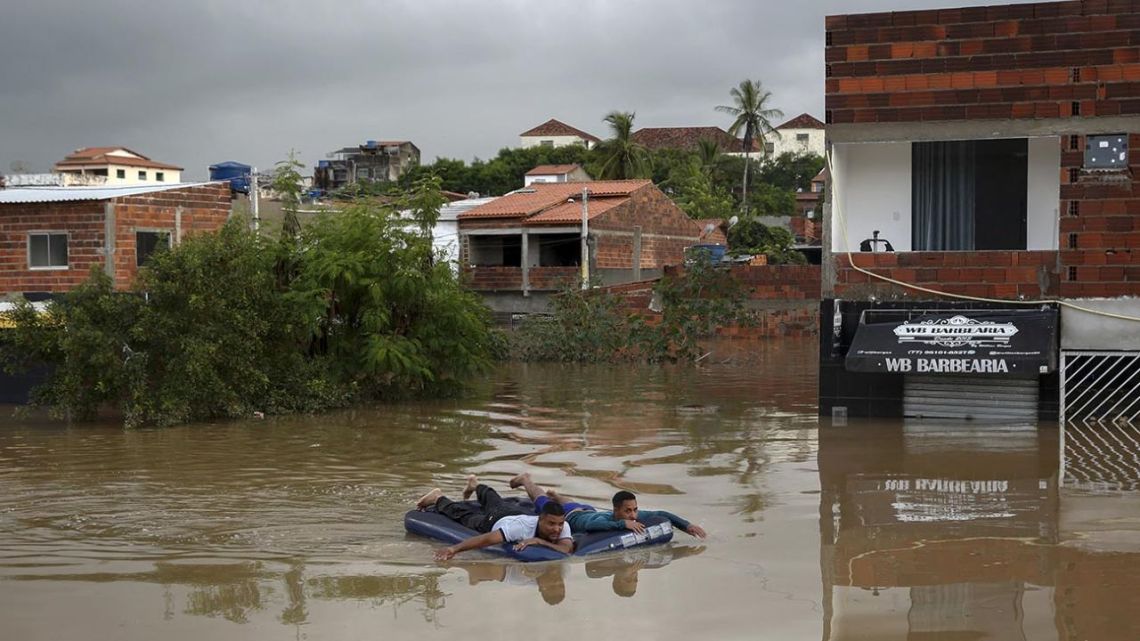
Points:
1100	387
981	398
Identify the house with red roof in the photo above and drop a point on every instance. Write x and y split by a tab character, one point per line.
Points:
518	249
688	139
556	174
800	135
554	133
116	166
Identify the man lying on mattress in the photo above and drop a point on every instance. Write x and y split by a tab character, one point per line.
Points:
499	521
586	518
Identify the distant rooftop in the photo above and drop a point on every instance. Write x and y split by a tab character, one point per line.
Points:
554	127
687	138
16	195
88	156
802	121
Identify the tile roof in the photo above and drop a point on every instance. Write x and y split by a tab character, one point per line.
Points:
541	197
571	212
553	170
686	138
102	156
16	195
802	121
554	127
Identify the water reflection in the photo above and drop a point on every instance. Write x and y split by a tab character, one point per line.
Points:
938	532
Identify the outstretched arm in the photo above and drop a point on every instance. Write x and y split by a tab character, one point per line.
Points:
473	543
565	546
677	522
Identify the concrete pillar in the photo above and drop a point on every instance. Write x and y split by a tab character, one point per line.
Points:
109	239
636	252
525	263
178	225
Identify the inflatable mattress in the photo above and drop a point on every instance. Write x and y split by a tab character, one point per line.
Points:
434	525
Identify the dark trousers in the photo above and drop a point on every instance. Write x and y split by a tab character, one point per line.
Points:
480	518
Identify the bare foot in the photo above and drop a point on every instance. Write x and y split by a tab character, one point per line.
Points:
429	499
469	489
554	496
520	480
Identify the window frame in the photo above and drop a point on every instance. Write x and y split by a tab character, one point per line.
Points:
121	174
142	174
49	233
139	262
160	176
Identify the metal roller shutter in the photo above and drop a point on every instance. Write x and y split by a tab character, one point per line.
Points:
979	398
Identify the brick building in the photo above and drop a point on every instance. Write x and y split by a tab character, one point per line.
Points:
988	150
519	248
52	237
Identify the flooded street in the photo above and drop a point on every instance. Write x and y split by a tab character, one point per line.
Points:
292	528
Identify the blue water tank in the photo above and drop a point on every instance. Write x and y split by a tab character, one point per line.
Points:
235	172
371	144
714	252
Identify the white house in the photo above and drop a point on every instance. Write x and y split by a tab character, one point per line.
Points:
554	133
119	166
556	174
800	135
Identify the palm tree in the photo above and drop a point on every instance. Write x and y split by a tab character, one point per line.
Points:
621	157
708	153
753	118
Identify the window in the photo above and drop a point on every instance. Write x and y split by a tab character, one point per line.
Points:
769	147
47	250
547	143
802	139
148	242
120	173
142	175
969	195
159	176
99	172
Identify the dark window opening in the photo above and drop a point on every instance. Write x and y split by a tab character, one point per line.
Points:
148	242
98	172
495	251
160	176
47	251
969	195
142	175
559	250
120	173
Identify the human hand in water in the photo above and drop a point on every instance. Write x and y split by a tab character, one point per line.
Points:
696	530
444	554
525	543
636	526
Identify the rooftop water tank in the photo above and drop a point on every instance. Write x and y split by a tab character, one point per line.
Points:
235	172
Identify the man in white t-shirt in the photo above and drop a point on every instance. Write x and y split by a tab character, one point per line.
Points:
499	521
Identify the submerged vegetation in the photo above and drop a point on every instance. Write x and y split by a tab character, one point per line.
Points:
352	308
595	326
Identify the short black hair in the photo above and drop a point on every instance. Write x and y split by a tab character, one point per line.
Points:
554	508
622	497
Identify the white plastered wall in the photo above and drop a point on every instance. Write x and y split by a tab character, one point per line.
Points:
872	185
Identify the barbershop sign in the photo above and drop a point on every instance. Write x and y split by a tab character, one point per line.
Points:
1007	342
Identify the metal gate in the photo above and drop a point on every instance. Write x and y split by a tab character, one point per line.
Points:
1100	387
996	399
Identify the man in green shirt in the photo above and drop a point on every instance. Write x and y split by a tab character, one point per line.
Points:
586	518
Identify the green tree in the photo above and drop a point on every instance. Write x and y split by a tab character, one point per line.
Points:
769	200
621	157
750	236
752	118
791	171
692	189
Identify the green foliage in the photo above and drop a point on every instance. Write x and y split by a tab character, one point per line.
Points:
212	330
769	200
498	175
621	157
692	188
792	172
750	236
595	326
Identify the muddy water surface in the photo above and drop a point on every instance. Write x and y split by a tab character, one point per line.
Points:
291	528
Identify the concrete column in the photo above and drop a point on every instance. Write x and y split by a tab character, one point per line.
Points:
178	224
636	252
525	263
109	239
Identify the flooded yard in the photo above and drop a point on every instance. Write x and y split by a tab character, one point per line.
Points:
292	528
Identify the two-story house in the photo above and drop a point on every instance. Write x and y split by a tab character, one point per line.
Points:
555	133
982	228
117	166
803	134
518	249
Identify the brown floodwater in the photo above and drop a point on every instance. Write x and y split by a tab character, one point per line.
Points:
292	527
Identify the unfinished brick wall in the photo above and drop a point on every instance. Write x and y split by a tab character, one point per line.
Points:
493	278
83	222
989	274
1045	60
666	231
204	209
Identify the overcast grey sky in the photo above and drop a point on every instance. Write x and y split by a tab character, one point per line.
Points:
202	81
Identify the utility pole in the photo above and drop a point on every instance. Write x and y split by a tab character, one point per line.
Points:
253	197
585	264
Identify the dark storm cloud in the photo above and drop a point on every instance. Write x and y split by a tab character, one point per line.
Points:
199	82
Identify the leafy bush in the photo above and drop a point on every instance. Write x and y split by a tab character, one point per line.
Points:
750	236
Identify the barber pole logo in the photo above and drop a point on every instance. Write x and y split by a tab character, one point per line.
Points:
957	331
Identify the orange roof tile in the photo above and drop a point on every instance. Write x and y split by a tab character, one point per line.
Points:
552	170
802	121
102	156
542	196
686	138
571	212
554	127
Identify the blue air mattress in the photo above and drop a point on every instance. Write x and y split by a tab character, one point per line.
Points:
434	525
